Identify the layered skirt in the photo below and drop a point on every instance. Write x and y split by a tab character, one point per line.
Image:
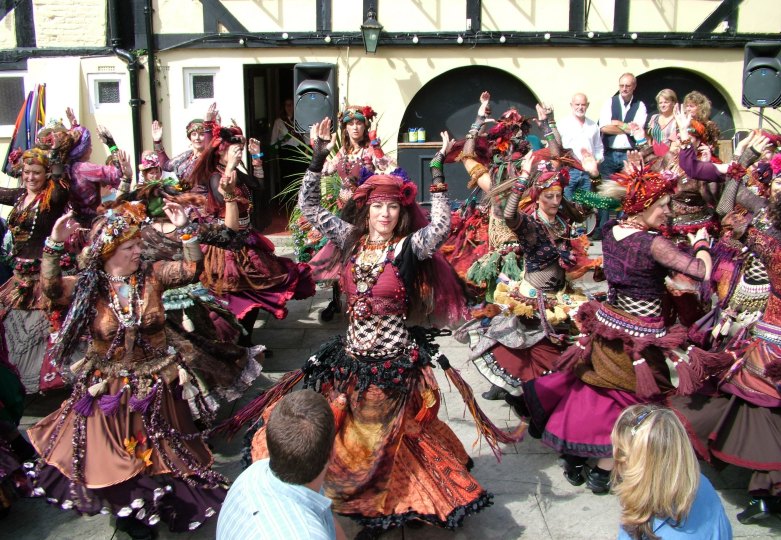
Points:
132	452
393	459
254	277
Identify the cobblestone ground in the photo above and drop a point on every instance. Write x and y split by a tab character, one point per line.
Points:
531	497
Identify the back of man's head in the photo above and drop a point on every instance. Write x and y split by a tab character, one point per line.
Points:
299	435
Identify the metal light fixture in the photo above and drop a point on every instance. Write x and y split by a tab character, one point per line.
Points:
371	29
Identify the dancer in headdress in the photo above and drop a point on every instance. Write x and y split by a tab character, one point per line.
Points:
124	442
394	461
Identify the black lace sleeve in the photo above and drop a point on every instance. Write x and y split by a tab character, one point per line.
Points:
335	229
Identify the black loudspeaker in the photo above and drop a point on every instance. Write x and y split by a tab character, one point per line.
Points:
316	94
762	74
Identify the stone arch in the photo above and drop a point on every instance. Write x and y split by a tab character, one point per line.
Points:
683	81
450	100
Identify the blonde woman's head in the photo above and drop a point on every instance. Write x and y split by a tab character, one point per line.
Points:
656	473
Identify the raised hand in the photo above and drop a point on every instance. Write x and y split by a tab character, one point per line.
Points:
63	227
227	184
105	135
212	113
485	104
233	157
175	212
124	163
527	163
447	142
683	119
157	131
254	146
71	117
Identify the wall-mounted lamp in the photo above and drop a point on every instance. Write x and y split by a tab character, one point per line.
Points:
371	29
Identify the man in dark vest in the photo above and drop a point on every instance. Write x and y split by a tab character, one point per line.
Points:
622	118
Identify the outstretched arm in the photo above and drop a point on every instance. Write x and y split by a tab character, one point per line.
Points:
427	240
327	224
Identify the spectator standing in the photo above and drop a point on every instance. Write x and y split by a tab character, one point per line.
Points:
579	133
622	117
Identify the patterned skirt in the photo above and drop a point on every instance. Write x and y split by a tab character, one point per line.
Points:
393	459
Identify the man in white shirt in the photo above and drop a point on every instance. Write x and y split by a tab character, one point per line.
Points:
580	134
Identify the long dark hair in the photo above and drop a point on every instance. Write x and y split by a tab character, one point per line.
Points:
347	144
420	291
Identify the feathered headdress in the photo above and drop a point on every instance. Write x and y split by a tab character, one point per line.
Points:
644	187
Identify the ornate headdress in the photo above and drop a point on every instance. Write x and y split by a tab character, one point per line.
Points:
395	186
36	156
122	223
644	187
365	114
775	164
196	125
83	143
223	136
512	127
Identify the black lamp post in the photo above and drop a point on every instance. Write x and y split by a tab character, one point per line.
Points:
371	29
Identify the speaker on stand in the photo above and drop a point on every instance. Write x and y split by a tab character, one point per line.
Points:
762	76
315	94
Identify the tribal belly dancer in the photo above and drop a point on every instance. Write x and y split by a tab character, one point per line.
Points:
620	358
23	307
124	442
524	340
252	278
393	460
741	423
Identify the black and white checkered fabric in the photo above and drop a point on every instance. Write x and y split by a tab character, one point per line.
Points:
379	336
639	307
754	272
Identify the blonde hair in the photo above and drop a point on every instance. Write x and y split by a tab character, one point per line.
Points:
656	473
668	94
701	101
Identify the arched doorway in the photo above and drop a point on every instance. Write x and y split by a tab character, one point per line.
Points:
450	101
683	81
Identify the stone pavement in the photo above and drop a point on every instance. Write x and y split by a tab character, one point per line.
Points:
531	497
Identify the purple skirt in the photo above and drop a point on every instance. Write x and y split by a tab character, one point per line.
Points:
577	418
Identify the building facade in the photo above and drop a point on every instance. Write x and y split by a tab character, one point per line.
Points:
121	63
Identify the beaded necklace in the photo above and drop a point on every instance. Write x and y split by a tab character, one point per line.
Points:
631	224
19	216
554	229
129	314
367	272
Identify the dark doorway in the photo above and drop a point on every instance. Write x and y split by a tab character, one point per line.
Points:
266	87
450	101
683	81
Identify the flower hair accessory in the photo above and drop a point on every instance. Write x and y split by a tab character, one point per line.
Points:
365	114
775	164
122	223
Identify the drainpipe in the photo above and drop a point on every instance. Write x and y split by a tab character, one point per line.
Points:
150	48
133	66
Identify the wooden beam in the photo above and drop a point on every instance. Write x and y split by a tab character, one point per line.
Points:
25	23
722	12
621	16
474	13
214	12
577	15
5	8
324	22
449	39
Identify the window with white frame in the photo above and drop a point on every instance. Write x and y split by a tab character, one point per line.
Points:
105	91
11	98
200	84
